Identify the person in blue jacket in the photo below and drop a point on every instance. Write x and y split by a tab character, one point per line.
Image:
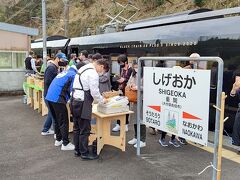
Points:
58	95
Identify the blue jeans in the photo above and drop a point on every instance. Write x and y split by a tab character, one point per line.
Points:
49	120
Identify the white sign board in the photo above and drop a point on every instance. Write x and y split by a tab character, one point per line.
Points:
176	101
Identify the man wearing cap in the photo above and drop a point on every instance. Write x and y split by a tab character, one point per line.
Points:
193	64
58	95
50	73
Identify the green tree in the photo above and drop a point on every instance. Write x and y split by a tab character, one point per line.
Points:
2	14
199	2
160	2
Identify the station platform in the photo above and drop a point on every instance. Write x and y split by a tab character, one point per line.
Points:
25	154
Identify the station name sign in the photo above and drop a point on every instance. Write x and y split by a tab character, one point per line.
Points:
176	101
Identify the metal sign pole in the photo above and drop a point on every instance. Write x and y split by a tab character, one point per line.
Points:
217	122
44	34
218	101
139	106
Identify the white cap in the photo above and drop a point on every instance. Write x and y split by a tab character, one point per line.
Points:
194	55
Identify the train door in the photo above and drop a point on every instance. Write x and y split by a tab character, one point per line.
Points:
74	50
49	52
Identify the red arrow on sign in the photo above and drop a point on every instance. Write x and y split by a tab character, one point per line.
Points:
157	108
186	115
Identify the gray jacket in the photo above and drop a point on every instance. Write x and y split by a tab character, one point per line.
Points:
104	83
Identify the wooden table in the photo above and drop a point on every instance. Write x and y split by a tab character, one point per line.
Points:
30	84
35	97
36	94
43	108
102	130
70	125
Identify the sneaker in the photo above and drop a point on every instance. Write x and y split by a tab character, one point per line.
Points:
174	143
126	127
163	142
68	147
142	144
182	141
116	128
55	136
133	141
58	143
49	132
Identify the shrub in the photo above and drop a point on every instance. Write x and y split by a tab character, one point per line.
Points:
199	2
160	2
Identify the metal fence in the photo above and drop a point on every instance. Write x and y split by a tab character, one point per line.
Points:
218	101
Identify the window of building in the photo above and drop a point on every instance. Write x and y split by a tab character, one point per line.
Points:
19	58
5	60
12	60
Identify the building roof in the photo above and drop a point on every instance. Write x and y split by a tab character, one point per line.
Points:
172	33
50	44
186	16
18	29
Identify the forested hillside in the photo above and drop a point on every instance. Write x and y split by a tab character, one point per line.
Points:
90	14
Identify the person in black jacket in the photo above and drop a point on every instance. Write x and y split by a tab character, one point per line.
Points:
50	73
126	72
28	64
236	127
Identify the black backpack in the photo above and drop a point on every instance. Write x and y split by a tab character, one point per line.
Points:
28	63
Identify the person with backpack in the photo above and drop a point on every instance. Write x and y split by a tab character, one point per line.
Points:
28	63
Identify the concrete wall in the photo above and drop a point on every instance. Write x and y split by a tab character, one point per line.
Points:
14	41
11	80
